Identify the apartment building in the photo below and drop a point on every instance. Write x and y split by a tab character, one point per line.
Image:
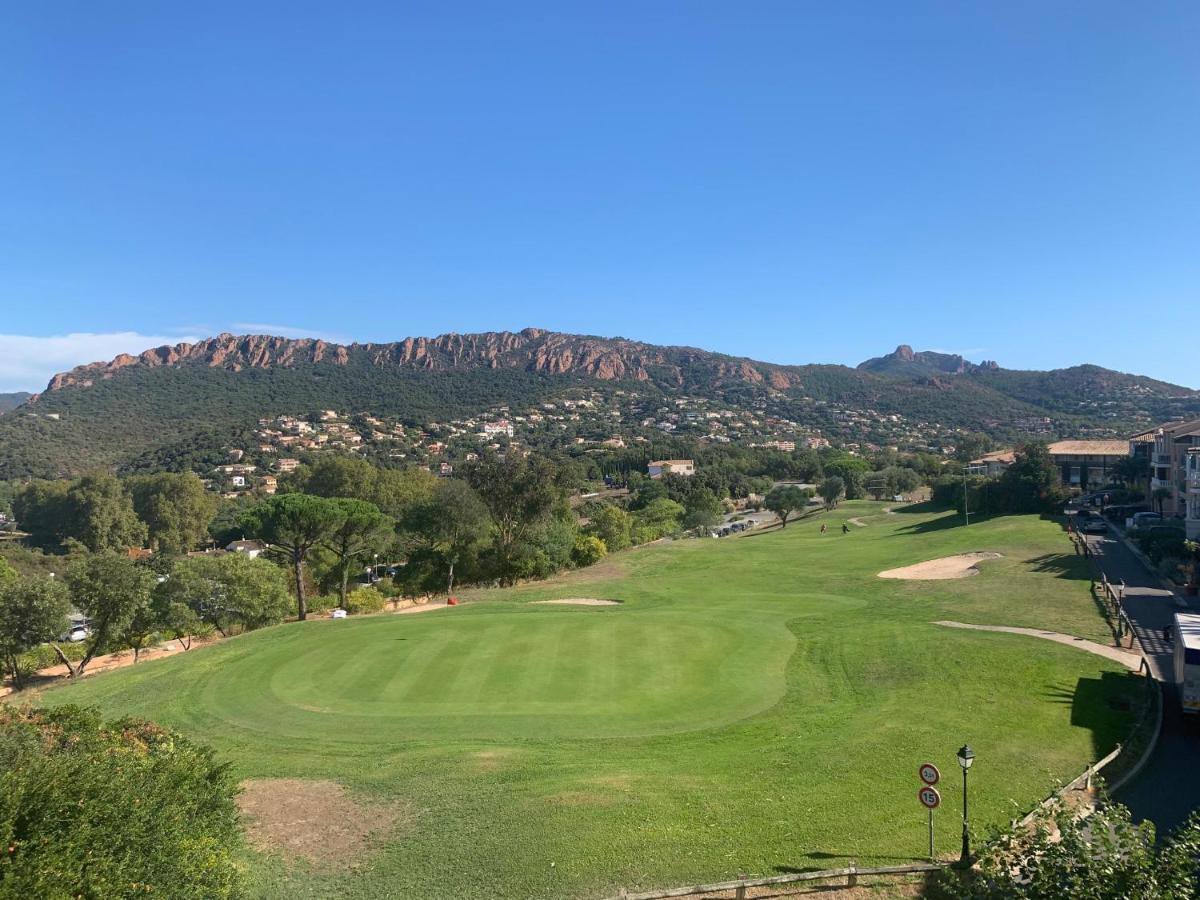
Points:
1173	452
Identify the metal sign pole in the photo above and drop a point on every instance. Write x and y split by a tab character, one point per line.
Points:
931	835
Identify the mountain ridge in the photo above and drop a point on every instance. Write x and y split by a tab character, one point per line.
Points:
539	350
108	414
534	349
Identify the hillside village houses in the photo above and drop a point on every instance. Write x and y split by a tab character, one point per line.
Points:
659	468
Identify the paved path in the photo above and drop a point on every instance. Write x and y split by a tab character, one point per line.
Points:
1126	658
1168	789
858	520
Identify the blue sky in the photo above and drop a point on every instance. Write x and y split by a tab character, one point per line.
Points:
796	182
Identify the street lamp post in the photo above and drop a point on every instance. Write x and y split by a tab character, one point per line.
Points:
966	508
966	756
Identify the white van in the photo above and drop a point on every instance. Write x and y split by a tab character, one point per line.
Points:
1187	660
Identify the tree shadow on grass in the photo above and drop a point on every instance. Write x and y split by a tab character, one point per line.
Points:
1097	704
1065	565
945	523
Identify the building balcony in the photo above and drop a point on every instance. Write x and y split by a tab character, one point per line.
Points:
1156	483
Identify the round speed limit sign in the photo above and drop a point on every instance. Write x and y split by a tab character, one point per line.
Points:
929	774
929	797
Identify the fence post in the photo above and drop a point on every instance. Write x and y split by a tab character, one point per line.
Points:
740	893
852	876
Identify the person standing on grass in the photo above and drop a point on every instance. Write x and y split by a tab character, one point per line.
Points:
845	528
823	527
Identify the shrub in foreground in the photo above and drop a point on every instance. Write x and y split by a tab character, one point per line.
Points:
126	808
364	600
1104	856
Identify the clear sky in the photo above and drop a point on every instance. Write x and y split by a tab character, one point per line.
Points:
793	181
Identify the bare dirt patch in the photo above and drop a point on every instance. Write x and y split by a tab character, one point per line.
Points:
313	820
961	566
582	601
423	607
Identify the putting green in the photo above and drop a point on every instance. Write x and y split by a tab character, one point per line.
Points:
482	674
756	702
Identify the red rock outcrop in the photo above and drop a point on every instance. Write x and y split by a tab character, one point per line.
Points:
532	349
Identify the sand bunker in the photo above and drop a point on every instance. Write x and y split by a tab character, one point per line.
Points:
313	820
582	601
960	566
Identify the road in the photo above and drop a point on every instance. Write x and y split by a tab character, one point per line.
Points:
1168	788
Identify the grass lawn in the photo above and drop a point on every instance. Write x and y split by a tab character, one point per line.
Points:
756	704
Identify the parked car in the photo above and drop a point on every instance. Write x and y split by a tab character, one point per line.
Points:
1143	519
77	633
1094	525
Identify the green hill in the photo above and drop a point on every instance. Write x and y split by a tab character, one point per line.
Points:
204	395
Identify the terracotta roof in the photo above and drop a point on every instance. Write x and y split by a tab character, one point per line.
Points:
671	462
1180	427
1004	456
1089	448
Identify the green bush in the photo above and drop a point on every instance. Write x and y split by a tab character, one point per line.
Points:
1162	542
95	810
588	551
365	600
43	655
323	603
388	587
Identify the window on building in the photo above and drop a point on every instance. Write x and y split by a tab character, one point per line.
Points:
1075	474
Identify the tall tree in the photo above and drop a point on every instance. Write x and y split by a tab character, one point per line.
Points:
1131	470
33	610
292	525
110	589
224	591
394	491
176	509
702	509
521	494
786	499
612	525
453	523
1032	483
102	515
361	531
41	510
831	489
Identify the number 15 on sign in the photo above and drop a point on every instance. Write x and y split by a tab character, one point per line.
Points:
931	800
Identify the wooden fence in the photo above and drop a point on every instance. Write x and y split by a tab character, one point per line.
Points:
1111	596
850	874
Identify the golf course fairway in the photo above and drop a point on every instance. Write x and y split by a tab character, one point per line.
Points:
755	704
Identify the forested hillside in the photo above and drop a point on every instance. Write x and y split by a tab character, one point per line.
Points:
198	398
12	401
